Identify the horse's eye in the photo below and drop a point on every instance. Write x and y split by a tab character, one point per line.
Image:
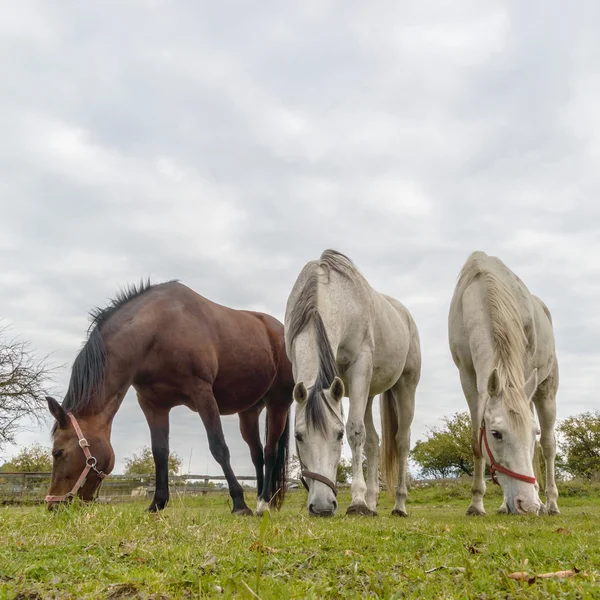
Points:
299	437
497	435
57	453
340	436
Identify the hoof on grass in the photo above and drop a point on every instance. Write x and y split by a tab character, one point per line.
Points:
472	511
399	513
360	509
245	512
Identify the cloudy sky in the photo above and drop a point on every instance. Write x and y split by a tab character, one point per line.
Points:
227	143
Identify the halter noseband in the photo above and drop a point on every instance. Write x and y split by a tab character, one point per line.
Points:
494	466
317	477
90	465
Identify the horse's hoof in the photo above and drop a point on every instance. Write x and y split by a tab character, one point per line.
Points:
261	508
553	511
502	510
244	512
360	509
399	513
472	511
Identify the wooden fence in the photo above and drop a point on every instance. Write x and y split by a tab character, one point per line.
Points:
31	488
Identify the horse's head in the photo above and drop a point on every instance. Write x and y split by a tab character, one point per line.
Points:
80	458
319	447
508	444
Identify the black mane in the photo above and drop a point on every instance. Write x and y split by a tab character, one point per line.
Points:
98	316
89	367
317	402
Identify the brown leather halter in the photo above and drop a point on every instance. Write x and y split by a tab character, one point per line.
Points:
494	466
317	477
90	465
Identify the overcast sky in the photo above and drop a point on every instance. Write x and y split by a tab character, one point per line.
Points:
228	143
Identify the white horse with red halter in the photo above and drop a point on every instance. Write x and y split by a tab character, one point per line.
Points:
343	337
502	342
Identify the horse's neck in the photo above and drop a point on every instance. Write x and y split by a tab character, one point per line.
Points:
477	326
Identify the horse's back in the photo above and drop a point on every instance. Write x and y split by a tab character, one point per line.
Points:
469	325
238	352
410	333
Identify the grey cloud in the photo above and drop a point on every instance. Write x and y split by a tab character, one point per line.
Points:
227	144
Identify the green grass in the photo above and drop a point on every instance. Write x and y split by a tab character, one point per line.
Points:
197	549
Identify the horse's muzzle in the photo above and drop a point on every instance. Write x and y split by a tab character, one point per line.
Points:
318	512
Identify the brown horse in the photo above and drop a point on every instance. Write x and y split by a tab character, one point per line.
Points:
176	348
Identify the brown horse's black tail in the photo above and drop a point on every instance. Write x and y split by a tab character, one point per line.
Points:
280	469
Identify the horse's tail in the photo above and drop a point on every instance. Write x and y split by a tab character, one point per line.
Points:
280	468
390	461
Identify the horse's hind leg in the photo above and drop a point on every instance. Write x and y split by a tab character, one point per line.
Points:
404	392
250	430
206	405
372	455
275	467
158	422
545	405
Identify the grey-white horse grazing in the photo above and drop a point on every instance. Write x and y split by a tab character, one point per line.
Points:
342	335
502	342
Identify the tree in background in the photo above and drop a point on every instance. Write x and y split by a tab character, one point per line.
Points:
344	471
580	444
23	378
143	463
33	459
446	452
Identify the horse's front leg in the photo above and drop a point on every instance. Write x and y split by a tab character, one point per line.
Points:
359	380
158	422
469	386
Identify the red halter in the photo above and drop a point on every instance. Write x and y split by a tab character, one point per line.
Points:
90	465
494	466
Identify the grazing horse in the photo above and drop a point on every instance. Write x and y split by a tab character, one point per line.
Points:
175	348
502	342
341	334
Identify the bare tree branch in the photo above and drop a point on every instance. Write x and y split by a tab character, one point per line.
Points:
23	381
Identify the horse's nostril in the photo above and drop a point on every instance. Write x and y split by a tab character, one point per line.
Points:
335	505
311	509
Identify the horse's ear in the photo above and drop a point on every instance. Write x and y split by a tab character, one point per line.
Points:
300	393
57	411
531	385
337	389
493	384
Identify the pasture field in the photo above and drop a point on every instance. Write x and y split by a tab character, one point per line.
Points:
197	549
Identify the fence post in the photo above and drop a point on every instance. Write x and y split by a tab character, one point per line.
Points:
205	491
23	484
